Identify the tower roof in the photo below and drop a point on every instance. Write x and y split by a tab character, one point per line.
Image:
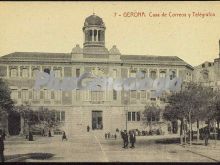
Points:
94	20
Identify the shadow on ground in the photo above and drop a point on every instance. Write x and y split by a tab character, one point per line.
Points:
168	141
36	156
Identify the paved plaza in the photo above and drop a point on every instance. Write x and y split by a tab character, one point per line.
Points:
91	147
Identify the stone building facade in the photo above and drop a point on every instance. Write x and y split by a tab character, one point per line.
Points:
101	110
208	73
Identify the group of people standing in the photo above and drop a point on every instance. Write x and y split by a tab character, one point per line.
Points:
131	136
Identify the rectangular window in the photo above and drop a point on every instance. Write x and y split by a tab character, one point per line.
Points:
62	116
114	73
143	94
114	95
77	72
36	95
14	94
129	116
24	94
46	94
57	95
138	116
133	94
133	116
77	95
97	95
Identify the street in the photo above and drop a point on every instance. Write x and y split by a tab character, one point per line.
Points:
91	147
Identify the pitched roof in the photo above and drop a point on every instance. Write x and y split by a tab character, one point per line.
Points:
66	57
37	56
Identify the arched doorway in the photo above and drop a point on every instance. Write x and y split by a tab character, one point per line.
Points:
14	123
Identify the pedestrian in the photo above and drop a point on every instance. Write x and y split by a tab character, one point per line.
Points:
49	134
105	135
115	136
125	139
64	136
88	128
207	134
3	135
1	147
30	137
132	139
109	135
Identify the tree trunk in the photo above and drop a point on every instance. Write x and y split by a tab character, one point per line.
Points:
181	132
197	130
190	129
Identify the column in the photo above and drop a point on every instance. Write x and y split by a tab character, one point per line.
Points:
7	72
60	115
92	35
97	35
19	70
177	72
30	70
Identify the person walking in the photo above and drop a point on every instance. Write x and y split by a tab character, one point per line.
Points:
2	147
125	139
207	134
132	139
49	134
64	136
88	128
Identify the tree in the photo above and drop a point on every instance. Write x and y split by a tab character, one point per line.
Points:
151	115
190	105
6	103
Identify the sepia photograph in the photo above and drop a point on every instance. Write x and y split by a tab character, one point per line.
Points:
111	81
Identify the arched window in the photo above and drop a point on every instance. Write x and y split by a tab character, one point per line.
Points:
24	72
95	35
47	70
173	75
153	75
14	72
133	73
90	35
99	35
35	71
143	73
162	74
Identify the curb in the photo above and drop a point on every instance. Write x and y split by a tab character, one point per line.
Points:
203	155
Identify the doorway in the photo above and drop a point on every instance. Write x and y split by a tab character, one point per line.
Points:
97	121
14	123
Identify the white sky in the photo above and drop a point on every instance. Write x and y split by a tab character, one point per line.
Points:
57	27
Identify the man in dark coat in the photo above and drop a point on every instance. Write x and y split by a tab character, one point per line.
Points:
1	147
125	139
132	139
207	134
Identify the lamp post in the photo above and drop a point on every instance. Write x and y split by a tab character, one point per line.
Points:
126	110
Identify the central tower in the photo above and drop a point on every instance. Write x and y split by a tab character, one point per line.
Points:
94	35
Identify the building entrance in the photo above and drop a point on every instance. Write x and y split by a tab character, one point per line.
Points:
97	122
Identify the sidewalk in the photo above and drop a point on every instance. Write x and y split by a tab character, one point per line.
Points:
212	151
